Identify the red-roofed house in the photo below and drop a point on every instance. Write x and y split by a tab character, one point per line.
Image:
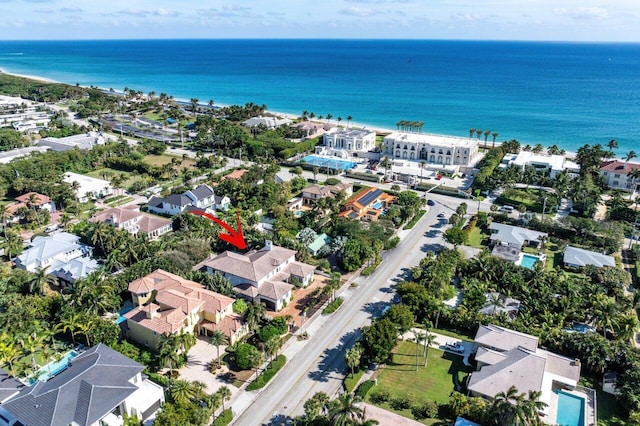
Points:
367	205
29	200
169	304
616	175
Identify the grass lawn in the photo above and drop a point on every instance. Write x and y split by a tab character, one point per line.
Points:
160	160
476	237
608	407
129	177
152	115
432	383
532	199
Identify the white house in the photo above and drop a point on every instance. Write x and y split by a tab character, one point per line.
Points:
575	257
551	164
616	175
270	122
133	221
347	142
264	275
201	197
82	141
88	186
52	251
98	388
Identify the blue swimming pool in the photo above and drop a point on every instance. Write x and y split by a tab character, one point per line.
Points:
298	213
331	162
570	409
52	369
528	261
377	205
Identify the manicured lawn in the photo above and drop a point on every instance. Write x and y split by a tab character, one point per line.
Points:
476	237
608	407
100	174
532	199
431	383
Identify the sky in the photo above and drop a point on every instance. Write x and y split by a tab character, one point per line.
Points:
560	20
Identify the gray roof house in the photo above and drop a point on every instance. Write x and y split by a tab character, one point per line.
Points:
9	386
201	197
497	303
575	257
98	387
508	358
64	255
264	275
515	236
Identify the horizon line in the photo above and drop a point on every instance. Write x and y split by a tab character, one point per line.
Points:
541	41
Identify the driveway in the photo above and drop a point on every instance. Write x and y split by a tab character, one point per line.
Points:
197	366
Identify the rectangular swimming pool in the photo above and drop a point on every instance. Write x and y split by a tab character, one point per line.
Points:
54	368
528	261
331	162
570	409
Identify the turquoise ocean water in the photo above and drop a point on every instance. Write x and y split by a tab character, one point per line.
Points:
551	93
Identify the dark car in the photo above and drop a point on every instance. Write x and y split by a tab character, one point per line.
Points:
431	203
441	215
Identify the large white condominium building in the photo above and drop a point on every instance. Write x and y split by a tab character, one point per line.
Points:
434	149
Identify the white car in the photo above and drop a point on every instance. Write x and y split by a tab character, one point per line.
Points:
454	347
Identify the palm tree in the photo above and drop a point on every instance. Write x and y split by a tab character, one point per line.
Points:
225	395
494	135
422	164
194	106
429	339
352	357
486	136
254	314
343	411
629	156
168	350
329	117
419	339
182	391
472	131
218	339
632	176
349	118
40	280
612	144
3	214
339	119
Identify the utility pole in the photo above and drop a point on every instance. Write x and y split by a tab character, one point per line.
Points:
544	206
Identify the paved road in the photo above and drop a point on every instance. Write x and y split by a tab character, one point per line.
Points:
320	365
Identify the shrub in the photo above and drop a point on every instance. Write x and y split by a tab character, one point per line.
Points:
428	409
247	356
391	243
268	374
364	389
400	403
333	306
224	418
380	396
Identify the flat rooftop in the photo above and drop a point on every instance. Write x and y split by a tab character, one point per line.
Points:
431	139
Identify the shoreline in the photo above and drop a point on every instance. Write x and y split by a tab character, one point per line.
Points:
292	116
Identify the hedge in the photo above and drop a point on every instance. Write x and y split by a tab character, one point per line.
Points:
224	418
333	306
364	388
415	219
363	176
268	374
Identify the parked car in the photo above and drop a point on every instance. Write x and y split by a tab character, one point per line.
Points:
441	215
454	347
506	209
431	202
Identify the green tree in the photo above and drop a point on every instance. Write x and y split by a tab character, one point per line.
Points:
353	357
401	316
455	236
379	339
225	394
218	339
344	411
247	356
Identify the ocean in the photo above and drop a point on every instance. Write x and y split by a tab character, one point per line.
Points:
567	94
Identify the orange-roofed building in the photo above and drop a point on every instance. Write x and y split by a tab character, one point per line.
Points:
169	304
367	205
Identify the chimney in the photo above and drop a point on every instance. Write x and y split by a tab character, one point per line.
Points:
268	245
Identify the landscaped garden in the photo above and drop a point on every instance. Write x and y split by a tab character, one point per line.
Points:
402	386
532	199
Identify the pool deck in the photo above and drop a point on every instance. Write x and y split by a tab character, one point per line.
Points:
590	406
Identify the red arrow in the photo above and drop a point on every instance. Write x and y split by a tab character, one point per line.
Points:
233	237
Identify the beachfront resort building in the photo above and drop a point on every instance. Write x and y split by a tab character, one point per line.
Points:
550	164
83	141
367	205
265	276
130	219
169	304
438	151
98	388
86	187
508	358
621	175
347	142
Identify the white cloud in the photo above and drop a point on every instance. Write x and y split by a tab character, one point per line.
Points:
583	13
360	12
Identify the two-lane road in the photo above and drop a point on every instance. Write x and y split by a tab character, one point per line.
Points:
320	365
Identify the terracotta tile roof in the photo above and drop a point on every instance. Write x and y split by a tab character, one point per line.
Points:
41	199
168	321
229	325
616	166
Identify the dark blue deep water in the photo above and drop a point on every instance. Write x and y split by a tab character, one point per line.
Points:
563	93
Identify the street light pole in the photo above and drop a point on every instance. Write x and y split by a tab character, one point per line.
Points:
544	206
